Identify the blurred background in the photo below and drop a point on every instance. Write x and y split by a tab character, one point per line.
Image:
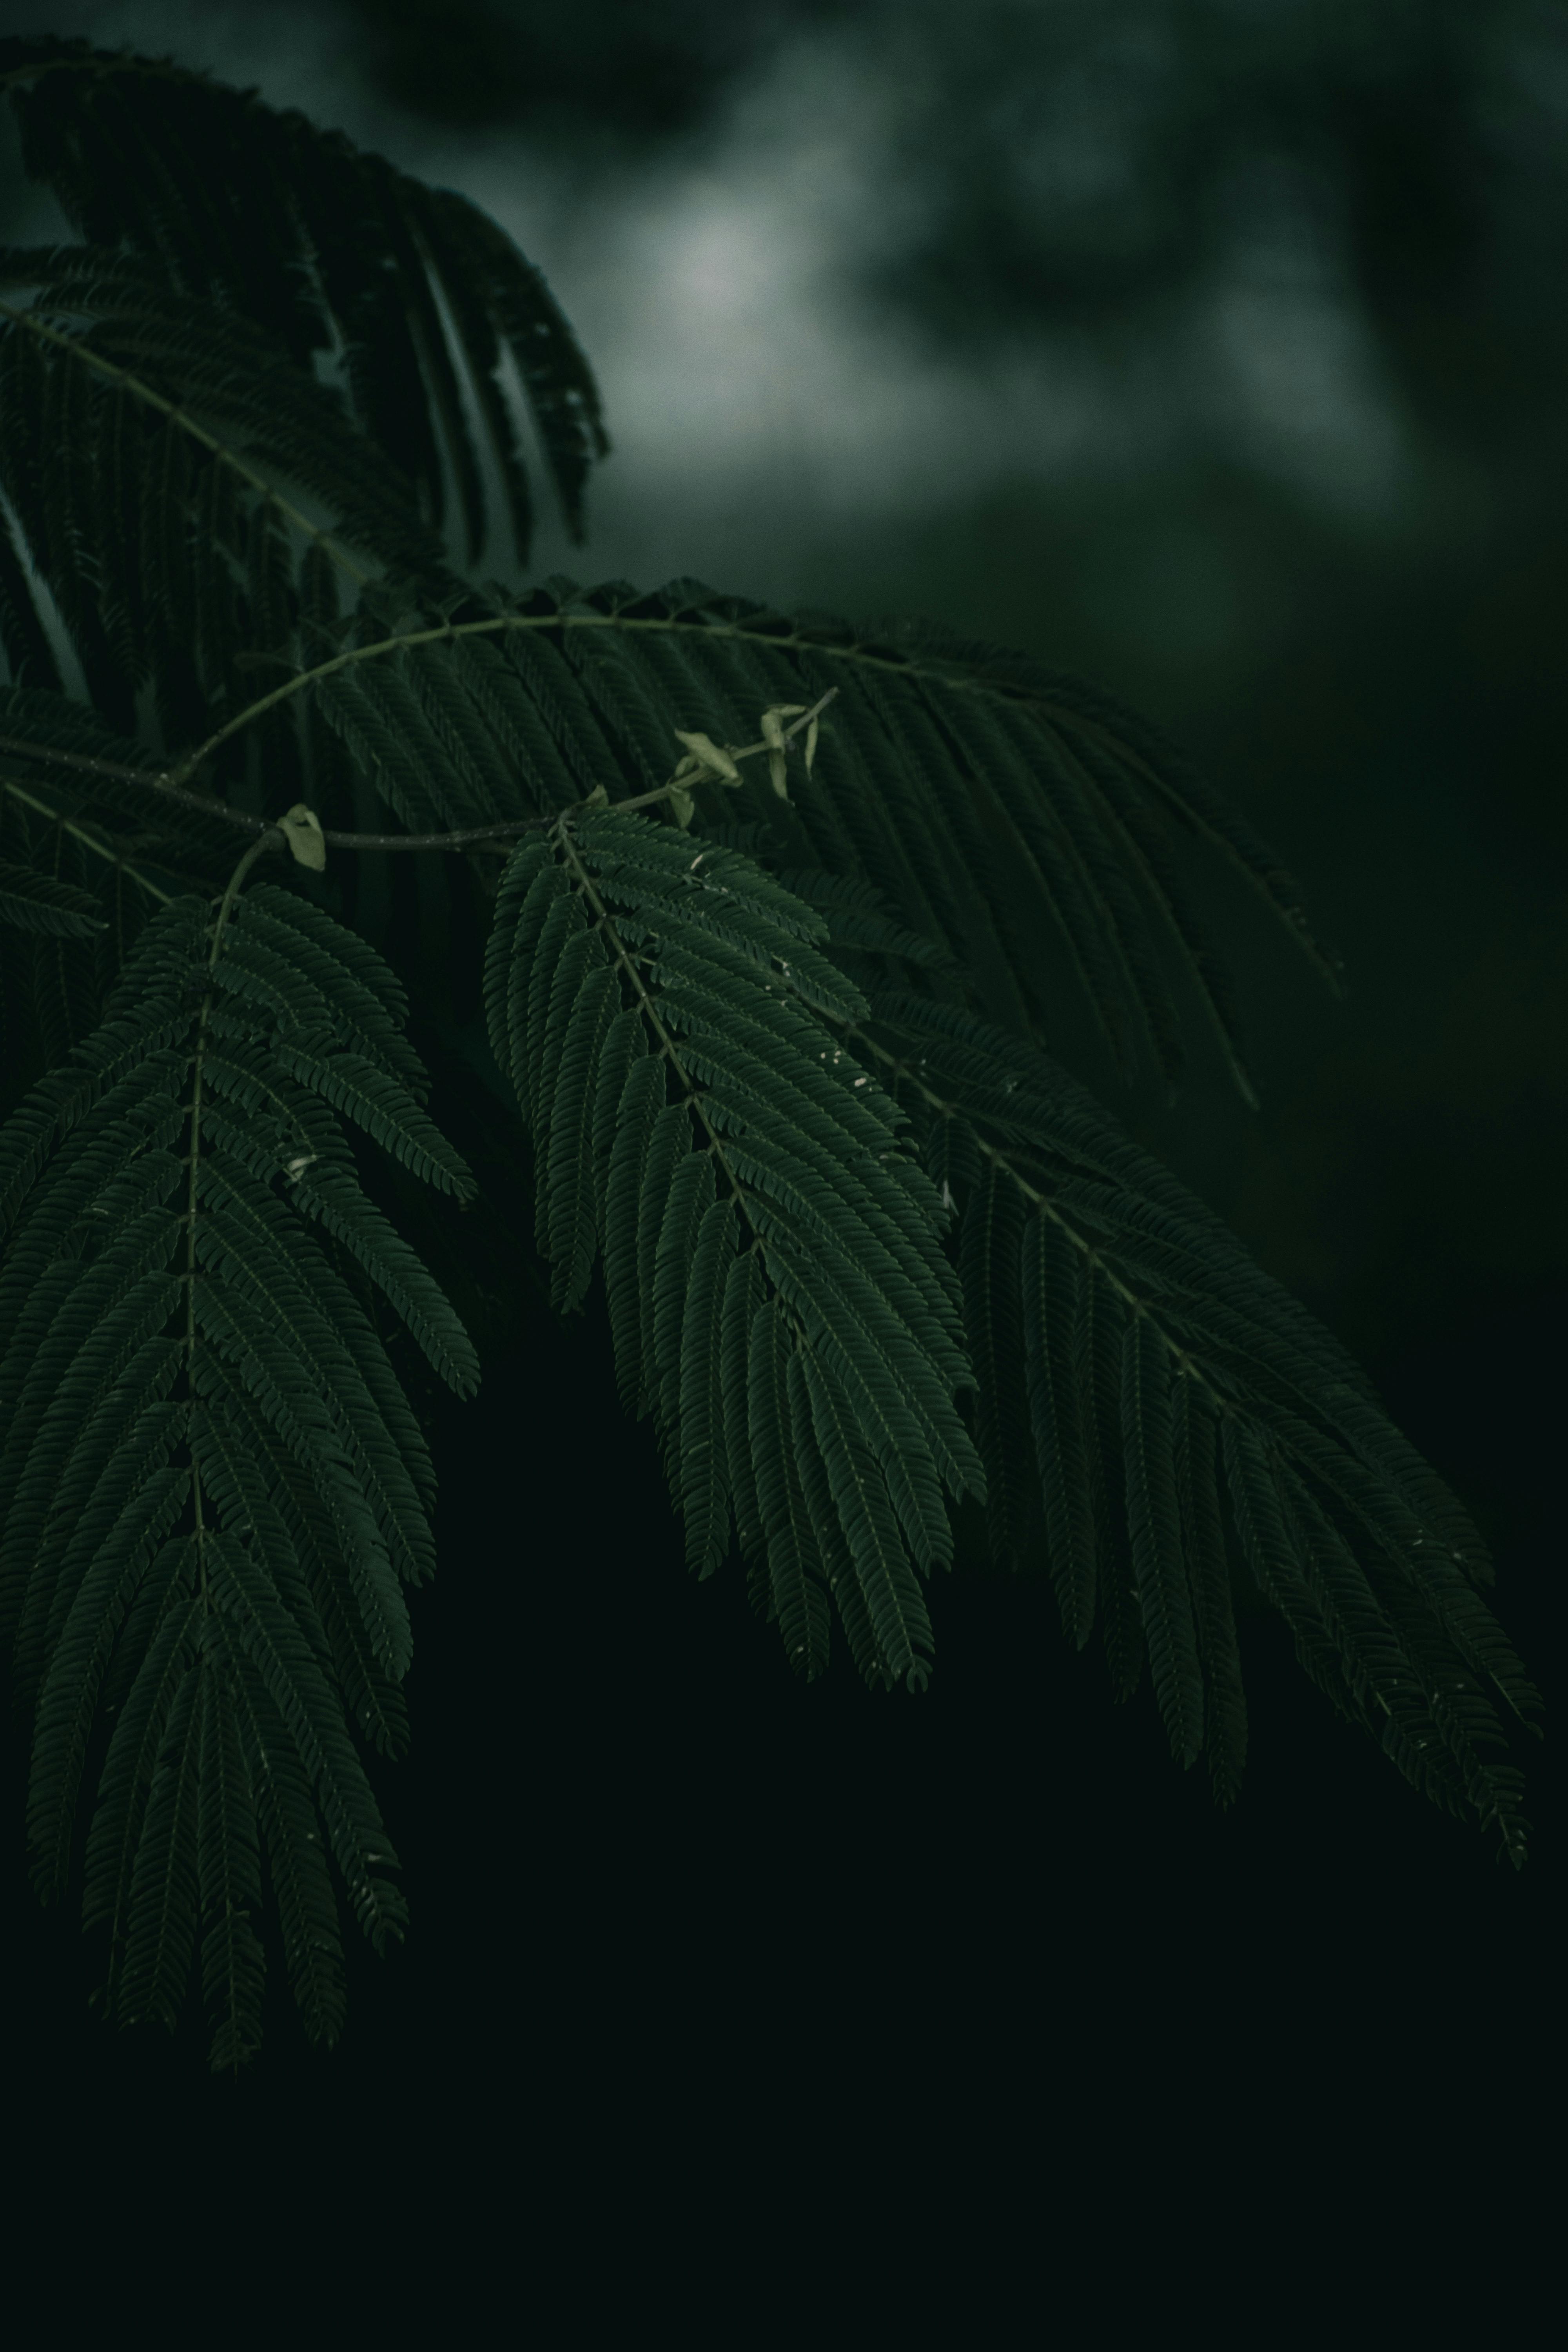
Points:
1213	351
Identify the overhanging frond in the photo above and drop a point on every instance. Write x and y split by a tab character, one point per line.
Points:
659	1013
1147	1331
213	1491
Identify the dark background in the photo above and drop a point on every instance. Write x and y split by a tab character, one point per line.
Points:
1216	353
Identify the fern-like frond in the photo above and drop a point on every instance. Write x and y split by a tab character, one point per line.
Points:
660	1013
213	1491
1145	1326
327	250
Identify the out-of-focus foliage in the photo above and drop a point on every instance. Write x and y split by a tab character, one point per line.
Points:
1097	162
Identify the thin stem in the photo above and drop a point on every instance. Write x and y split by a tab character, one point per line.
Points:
240	818
79	833
493	628
261	826
151	783
480	834
273	838
95	766
736	752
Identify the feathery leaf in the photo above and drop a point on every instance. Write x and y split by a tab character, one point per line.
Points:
726	970
212	1362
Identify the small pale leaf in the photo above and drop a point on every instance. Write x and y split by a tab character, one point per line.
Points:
301	828
716	761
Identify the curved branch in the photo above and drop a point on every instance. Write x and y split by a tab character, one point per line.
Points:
473	835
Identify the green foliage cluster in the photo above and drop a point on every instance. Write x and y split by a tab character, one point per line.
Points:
774	1009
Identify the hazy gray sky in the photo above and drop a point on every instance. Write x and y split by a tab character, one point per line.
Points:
762	407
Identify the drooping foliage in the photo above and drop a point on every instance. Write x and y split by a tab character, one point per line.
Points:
776	911
213	1490
778	1298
